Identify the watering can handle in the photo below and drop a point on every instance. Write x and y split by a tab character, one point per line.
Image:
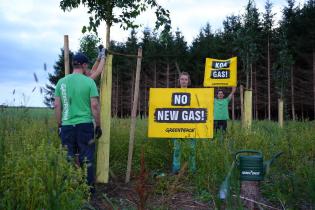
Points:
246	151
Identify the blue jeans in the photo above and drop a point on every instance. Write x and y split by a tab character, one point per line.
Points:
80	138
177	155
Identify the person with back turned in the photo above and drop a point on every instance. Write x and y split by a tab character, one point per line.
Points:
76	105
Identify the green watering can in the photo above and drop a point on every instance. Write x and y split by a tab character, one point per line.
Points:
252	168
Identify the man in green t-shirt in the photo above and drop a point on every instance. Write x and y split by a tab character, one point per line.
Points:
76	104
221	110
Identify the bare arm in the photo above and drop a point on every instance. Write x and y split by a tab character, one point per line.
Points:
58	110
99	69
96	64
95	106
232	93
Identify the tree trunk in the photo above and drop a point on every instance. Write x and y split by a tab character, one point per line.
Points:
292	93
155	75
233	107
145	96
117	95
108	35
242	102
167	75
256	95
314	78
251	76
268	74
134	116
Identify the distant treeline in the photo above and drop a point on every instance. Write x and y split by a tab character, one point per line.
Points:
275	60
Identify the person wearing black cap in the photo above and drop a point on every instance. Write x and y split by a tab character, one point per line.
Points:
76	104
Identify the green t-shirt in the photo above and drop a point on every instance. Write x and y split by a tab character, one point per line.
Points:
221	109
75	91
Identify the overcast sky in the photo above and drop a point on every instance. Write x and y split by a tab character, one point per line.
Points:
32	31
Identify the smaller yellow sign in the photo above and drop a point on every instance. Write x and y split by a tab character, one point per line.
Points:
181	113
220	73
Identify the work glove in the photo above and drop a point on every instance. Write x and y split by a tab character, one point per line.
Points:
98	132
103	53
99	50
59	131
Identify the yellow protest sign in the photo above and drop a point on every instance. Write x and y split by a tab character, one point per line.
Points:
220	73
181	113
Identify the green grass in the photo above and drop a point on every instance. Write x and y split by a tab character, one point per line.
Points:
34	173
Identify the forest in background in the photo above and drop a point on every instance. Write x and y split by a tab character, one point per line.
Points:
276	59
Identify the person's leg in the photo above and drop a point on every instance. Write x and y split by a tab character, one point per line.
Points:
216	125
86	144
68	140
224	125
176	156
192	156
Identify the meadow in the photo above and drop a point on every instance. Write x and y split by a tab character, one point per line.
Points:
34	172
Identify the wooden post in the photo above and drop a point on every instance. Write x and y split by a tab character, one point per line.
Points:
66	54
250	191
280	112
247	109
103	143
242	102
133	116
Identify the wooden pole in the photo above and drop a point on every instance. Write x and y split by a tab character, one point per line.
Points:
66	54
248	109
133	116
103	143
242	102
250	190
280	112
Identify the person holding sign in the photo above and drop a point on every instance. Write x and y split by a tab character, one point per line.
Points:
221	110
184	81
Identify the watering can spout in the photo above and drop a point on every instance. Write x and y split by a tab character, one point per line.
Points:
268	163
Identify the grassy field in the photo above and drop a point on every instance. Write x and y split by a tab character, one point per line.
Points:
34	172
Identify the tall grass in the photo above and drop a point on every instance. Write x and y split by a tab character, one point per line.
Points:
291	181
34	172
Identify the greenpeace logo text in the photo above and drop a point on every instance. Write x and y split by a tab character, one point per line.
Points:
180	130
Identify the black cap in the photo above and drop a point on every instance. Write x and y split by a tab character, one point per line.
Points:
80	58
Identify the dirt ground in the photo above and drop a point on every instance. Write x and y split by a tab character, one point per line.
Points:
118	195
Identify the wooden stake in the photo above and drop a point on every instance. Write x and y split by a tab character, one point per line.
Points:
247	109
66	54
242	103
280	112
134	116
103	143
250	190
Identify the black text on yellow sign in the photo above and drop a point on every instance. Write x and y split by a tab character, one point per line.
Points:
220	73
181	113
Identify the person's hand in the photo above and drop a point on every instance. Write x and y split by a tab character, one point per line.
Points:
59	131
98	132
103	53
100	48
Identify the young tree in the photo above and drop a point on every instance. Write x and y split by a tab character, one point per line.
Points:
104	11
